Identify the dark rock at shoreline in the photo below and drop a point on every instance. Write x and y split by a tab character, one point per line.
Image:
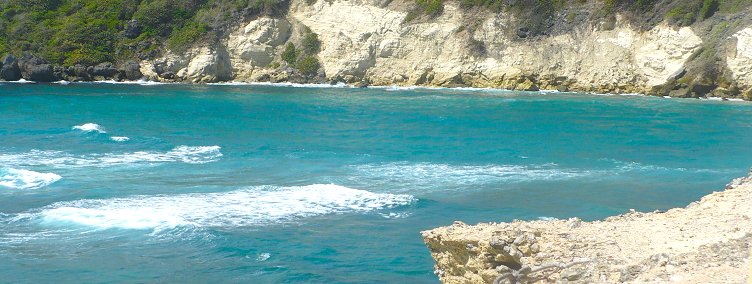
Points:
58	72
106	70
131	70
10	70
40	73
702	87
78	72
34	68
168	75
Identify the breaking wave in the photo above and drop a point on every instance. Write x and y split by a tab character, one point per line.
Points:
25	179
256	206
428	174
119	138
90	127
184	154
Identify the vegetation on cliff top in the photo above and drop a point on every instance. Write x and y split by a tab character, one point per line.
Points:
91	31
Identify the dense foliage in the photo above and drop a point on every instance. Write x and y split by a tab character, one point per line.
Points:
304	58
91	31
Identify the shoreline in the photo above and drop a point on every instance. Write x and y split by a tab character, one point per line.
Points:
708	241
342	85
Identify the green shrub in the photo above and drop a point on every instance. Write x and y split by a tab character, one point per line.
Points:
431	8
311	43
290	54
682	16
268	7
308	65
708	8
183	37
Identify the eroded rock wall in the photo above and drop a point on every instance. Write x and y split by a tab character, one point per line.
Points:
371	41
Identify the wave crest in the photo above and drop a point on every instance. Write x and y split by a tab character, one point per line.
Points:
119	138
184	154
90	127
255	206
428	174
25	179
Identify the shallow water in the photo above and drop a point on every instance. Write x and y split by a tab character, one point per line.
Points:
267	184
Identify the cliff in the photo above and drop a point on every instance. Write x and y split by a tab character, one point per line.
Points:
377	43
707	242
668	48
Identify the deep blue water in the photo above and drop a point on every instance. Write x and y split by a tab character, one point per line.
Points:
261	184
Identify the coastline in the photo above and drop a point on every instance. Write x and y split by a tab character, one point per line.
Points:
355	86
708	241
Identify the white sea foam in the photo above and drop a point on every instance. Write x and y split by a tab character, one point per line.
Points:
138	82
546	218
395	215
25	179
263	257
119	138
21	81
722	99
294	85
256	206
405	88
393	88
639	167
428	174
62	82
184	154
90	127
233	83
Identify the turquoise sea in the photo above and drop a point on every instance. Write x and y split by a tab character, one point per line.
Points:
110	183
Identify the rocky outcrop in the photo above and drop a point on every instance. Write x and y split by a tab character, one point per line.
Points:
204	64
41	73
130	70
254	46
33	68
707	242
104	70
10	70
373	42
739	57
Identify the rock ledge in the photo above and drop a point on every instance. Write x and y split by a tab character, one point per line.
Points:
707	242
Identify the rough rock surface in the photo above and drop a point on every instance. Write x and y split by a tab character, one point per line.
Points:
707	242
370	42
364	40
104	70
10	70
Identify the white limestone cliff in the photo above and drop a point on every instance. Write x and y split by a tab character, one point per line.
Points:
364	40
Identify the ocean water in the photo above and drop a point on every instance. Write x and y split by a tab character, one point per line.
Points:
106	183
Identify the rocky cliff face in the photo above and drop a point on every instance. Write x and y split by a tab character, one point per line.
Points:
576	46
707	242
371	41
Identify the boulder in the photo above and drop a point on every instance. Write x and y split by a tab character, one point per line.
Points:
78	72
40	73
10	70
30	68
132	29
168	75
106	70
131	70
